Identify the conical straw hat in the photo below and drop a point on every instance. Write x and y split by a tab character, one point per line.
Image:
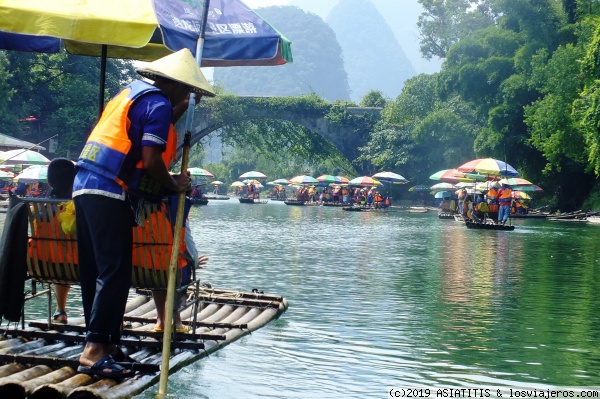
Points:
180	67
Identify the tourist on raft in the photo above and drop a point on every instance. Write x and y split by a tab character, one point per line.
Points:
124	164
504	201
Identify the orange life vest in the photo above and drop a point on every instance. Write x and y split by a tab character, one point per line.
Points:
152	245
505	196
52	244
109	143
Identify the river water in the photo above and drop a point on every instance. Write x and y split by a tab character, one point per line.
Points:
396	299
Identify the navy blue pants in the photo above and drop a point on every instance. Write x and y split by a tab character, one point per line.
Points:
104	242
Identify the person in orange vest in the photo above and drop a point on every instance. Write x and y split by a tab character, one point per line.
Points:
492	194
125	163
504	202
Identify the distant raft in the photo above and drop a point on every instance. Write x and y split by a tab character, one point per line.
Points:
487	226
252	201
295	202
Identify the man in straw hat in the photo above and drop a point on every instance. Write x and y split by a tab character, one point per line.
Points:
124	163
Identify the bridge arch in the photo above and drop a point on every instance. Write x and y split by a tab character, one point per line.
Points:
310	112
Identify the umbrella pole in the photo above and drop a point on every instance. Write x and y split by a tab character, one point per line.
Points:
102	79
170	303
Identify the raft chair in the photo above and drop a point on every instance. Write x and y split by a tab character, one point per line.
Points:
52	254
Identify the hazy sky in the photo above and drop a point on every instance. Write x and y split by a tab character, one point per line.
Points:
265	3
401	15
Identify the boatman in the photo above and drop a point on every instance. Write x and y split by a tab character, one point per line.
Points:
504	201
124	164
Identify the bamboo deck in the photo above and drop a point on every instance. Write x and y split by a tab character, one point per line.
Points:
39	361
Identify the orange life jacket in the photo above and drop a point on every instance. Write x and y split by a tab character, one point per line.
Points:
152	245
109	143
505	196
52	244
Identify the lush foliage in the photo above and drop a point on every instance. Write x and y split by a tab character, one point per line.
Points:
60	91
519	83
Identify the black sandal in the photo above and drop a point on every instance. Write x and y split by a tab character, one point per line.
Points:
58	314
107	367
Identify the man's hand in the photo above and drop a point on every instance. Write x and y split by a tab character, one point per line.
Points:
155	167
183	181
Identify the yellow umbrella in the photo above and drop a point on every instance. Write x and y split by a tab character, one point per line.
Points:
88	24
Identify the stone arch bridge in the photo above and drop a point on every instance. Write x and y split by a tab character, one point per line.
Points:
342	137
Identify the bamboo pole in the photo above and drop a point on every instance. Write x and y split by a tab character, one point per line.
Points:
94	391
21	389
170	303
9	369
62	389
164	376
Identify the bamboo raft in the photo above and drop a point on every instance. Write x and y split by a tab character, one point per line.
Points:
487	226
252	201
445	215
577	216
216	197
334	204
39	361
294	202
200	201
354	208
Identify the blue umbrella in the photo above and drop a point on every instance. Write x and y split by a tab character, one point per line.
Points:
443	194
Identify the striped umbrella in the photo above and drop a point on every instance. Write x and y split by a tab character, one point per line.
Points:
253	174
517	181
329	179
390	177
23	157
199	172
33	174
303	179
448	175
442	187
489	166
364	181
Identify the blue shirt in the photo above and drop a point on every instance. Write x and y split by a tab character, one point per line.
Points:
150	116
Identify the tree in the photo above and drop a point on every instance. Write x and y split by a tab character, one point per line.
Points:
550	119
61	92
445	22
374	98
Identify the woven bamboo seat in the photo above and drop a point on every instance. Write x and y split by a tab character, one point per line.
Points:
52	254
